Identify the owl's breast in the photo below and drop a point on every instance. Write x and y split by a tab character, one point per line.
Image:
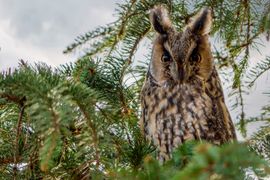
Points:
172	115
183	105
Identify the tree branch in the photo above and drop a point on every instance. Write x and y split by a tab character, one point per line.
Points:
16	145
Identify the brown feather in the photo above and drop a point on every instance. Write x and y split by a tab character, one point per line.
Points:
182	97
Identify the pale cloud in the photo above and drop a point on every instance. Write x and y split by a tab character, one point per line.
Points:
39	30
13	49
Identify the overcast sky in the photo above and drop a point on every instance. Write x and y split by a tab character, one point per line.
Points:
39	30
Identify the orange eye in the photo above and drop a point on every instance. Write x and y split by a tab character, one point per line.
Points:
166	57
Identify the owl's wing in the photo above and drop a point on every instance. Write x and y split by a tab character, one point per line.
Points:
214	90
144	108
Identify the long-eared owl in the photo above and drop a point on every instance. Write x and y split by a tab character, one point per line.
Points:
182	98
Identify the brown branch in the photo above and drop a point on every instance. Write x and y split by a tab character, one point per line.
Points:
138	40
55	119
9	160
103	113
125	109
122	27
94	132
247	8
18	100
16	145
187	17
242	113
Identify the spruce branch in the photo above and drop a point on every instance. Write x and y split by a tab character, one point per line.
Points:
16	144
82	118
258	70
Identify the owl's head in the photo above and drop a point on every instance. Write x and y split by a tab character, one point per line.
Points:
180	55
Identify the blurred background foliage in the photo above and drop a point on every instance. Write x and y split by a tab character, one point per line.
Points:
80	120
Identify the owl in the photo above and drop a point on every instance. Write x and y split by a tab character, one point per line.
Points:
182	97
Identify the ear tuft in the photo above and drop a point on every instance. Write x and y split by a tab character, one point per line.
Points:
160	19
201	23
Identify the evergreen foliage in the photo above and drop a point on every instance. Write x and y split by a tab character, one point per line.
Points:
80	120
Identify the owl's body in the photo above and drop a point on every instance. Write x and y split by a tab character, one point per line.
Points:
182	98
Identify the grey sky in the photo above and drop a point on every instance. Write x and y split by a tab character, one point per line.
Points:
39	30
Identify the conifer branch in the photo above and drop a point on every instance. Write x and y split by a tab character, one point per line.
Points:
82	118
16	144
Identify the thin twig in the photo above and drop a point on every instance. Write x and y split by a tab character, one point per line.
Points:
138	40
94	133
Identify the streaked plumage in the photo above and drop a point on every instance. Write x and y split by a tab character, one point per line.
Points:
182	97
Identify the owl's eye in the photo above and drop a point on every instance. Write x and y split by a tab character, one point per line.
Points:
196	57
166	57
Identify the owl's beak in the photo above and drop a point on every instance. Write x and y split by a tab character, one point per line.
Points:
179	72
